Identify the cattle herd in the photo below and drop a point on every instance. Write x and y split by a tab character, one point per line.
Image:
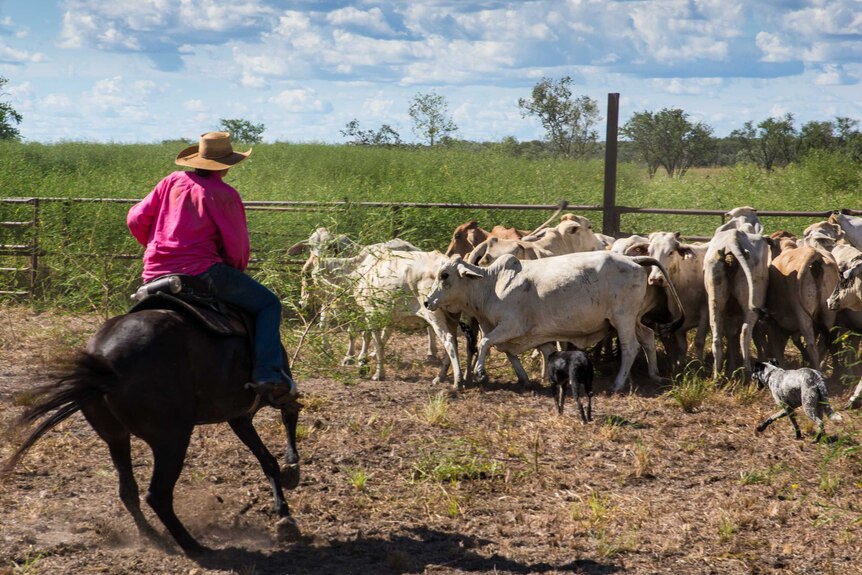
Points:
569	287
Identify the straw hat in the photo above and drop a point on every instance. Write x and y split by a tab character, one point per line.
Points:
213	152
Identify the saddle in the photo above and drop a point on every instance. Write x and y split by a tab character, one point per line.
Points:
191	296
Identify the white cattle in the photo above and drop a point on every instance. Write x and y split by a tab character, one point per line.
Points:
568	237
851	226
622	245
729	252
684	265
744	218
822	236
322	241
327	285
391	288
848	293
575	298
605	240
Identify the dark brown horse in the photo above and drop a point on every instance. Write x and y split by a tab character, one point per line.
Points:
156	374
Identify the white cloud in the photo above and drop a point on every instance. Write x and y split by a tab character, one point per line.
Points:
689	86
378	106
118	97
832	75
826	17
371	20
291	67
222	15
11	55
683	31
195	106
774	48
299	100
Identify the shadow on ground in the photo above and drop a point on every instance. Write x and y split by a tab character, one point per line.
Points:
415	551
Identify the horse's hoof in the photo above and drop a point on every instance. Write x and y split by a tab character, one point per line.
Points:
195	549
347	361
290	475
287	530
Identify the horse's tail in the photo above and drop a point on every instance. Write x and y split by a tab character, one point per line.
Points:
89	378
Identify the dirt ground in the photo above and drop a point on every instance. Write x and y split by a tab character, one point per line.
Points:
399	478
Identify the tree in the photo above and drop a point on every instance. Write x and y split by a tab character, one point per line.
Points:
849	137
385	136
430	119
243	131
817	136
8	115
772	144
668	139
569	122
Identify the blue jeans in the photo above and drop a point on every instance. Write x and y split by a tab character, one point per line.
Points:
235	287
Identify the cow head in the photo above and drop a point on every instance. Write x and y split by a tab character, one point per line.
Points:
322	242
822	235
449	283
466	237
848	293
578	234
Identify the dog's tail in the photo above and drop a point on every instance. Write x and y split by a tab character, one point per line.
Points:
824	401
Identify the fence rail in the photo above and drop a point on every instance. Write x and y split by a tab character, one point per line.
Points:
21	245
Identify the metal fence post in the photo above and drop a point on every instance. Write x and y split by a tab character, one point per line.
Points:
34	249
610	215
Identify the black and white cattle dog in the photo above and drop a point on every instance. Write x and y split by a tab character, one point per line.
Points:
571	368
792	388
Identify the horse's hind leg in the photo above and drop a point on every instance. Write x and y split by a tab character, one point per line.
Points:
122	458
168	456
118	439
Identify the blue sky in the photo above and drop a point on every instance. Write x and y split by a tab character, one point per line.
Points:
148	70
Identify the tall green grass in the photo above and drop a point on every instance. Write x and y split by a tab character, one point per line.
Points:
77	238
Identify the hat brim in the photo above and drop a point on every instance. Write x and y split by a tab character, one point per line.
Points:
191	157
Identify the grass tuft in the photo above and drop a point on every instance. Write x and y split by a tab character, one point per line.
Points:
690	391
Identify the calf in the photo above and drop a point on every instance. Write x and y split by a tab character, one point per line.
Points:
571	368
792	388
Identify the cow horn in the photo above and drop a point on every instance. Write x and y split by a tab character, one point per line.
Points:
562	206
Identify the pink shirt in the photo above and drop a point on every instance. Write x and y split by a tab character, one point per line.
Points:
189	223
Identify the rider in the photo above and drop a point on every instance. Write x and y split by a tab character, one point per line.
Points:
194	223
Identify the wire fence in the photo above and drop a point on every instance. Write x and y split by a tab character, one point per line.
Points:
78	252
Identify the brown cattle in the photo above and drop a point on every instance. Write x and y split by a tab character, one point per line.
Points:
800	282
469	235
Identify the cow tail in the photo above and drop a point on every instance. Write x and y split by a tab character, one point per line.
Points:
746	269
88	380
671	327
